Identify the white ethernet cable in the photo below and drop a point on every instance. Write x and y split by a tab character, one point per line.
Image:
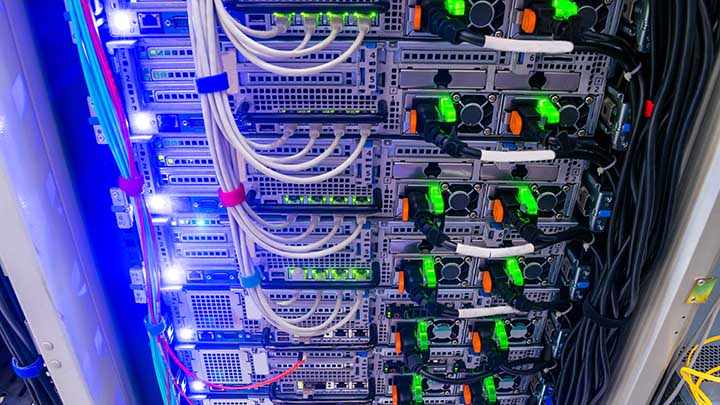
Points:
237	37
216	111
253	51
469	313
244	228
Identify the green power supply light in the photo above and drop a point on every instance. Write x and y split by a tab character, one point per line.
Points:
490	390
428	266
436	200
512	269
527	200
455	7
548	110
564	9
421	336
417	389
446	110
501	335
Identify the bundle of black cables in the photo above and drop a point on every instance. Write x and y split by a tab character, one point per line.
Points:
19	342
684	41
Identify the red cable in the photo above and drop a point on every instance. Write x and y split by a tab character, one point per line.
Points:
175	383
194	376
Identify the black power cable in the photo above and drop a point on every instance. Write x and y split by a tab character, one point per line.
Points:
684	41
19	342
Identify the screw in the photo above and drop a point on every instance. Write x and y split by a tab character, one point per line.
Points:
447	392
521	260
529	341
454	341
498	34
473	215
464	284
559	215
554	99
47	346
566	188
467	260
487	131
54	364
429	321
550	260
516	392
534	187
507	322
608	2
445	187
589	99
581	133
534	321
608	199
437	259
168	23
693	299
492	98
195	205
457	322
701	282
544	283
456	97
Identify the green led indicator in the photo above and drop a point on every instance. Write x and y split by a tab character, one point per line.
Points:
319	274
512	269
527	200
417	389
547	110
455	7
421	335
446	110
490	390
501	335
436	199
359	273
564	9
428	266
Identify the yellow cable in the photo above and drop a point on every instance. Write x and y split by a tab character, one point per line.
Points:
687	374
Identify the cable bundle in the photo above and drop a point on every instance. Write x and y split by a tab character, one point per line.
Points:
17	339
231	150
646	184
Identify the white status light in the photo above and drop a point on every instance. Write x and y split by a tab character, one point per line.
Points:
142	123
197	386
185	334
174	275
159	203
121	22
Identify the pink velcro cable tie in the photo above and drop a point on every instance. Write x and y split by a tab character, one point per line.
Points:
133	186
232	198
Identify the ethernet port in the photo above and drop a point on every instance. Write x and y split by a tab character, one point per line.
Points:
293	199
339	199
340	274
317	199
362	200
149	20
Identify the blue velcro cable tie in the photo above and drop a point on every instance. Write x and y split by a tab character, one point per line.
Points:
157	329
212	84
31	371
251	281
